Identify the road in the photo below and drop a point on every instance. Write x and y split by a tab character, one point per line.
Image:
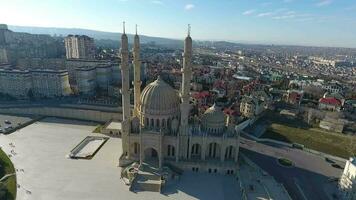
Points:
307	179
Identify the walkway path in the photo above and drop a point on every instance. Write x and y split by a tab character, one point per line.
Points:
7	176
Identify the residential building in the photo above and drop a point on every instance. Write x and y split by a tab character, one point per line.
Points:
250	106
23	84
16	83
79	47
330	103
333	87
104	77
3	56
97	78
294	97
347	183
337	96
25	45
86	80
50	83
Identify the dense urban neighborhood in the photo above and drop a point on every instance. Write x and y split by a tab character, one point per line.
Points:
265	120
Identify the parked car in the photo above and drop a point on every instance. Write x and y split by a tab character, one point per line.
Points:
337	166
7	122
329	160
1	131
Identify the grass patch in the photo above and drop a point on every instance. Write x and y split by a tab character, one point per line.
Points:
285	162
296	131
10	183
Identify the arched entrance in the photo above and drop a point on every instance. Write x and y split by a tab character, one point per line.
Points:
151	156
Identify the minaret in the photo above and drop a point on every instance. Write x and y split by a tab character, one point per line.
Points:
125	91
185	107
137	74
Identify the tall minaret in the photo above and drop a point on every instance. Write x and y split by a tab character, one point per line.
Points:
125	91
137	73
185	107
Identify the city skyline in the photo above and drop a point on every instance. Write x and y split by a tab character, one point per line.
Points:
289	22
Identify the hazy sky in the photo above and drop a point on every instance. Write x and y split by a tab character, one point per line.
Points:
301	22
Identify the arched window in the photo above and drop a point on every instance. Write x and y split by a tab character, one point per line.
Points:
168	123
136	148
229	152
152	123
163	123
157	123
213	150
170	150
196	151
147	122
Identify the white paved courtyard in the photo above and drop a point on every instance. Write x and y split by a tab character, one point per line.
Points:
44	172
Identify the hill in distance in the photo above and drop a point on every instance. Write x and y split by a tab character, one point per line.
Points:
97	35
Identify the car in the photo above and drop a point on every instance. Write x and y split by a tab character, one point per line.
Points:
7	122
337	166
329	160
1	131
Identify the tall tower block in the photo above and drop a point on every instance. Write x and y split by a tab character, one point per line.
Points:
185	107
125	90
137	73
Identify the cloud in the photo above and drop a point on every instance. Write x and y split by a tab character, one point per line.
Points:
157	2
284	17
249	12
324	3
265	14
189	7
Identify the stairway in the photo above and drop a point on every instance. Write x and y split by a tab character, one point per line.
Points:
148	179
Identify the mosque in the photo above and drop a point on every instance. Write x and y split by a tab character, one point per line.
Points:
160	129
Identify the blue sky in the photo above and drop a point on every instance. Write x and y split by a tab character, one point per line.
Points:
300	22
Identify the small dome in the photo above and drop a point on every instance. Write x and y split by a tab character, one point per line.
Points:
159	98
213	118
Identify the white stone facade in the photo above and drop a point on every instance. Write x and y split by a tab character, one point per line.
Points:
163	130
347	182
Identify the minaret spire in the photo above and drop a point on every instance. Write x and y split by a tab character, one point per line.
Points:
185	92
137	74
123	27
188	30
125	91
136	29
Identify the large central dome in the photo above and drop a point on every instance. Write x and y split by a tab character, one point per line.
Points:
159	98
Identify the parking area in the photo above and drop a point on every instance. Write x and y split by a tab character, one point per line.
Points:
8	122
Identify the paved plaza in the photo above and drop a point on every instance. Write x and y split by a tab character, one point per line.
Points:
39	151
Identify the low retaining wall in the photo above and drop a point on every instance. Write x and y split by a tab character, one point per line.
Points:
71	113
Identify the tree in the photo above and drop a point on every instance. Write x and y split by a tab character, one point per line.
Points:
3	191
